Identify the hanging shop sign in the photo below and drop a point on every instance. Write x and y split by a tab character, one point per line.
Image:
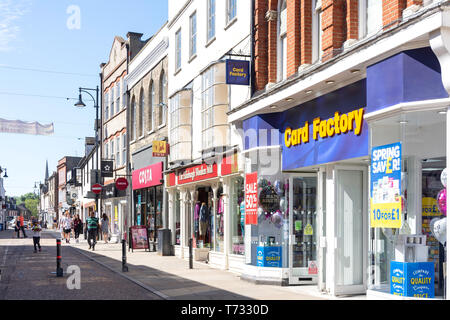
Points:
385	187
160	148
97	188
107	169
121	183
251	198
147	177
197	173
238	72
229	165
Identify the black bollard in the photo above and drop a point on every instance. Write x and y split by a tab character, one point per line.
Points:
59	270
124	256
190	254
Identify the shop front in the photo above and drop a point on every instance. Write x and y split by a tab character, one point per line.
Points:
205	206
148	199
115	208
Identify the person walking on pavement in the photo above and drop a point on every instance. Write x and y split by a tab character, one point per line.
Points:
92	227
21	227
67	225
77	227
36	228
105	227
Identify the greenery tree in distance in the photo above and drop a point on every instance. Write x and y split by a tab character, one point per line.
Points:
31	202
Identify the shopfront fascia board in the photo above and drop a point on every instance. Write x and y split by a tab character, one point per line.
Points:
412	35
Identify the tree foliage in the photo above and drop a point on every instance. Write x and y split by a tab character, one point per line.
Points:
31	202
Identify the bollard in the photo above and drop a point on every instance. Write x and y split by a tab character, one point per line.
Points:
124	256
59	270
190	254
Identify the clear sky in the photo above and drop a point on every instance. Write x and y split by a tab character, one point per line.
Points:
47	35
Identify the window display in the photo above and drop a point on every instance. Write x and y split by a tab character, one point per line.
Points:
394	252
237	215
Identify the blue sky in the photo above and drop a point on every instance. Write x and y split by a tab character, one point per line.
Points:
34	34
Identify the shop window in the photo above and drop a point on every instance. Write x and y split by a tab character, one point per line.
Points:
180	126
214	107
237	215
423	147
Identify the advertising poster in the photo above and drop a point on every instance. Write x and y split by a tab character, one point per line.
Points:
251	198
385	186
139	238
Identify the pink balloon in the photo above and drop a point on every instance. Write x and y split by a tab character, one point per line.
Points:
442	201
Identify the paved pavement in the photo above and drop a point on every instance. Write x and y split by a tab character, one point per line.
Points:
28	275
150	275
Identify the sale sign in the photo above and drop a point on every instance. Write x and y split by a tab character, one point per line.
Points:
385	187
251	198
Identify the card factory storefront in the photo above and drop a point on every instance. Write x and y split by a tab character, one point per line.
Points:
347	190
205	205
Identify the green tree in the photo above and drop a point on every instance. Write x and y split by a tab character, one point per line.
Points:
31	202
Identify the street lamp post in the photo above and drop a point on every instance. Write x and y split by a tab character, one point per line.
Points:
39	195
3	199
80	104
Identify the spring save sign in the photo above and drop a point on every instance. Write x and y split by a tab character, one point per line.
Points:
385	187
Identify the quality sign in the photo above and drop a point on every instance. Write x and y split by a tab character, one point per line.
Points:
385	186
237	72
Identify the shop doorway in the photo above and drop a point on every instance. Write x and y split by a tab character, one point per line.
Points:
348	233
303	267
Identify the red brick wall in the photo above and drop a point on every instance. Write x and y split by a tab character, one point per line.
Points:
333	28
306	32
409	3
392	12
272	43
293	36
260	44
352	19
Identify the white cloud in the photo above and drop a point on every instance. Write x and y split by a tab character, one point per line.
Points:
10	13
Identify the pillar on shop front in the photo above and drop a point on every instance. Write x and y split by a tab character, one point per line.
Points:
440	44
226	219
215	189
194	194
171	212
183	226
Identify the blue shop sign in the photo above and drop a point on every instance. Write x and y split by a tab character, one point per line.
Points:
268	257
412	279
237	72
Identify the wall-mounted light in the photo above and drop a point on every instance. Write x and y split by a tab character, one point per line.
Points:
329	81
289	99
308	91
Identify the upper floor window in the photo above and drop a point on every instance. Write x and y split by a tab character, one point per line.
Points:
151	104
162	99
178	50
283	40
118	97
124	93
106	104
371	17
211	27
317	30
141	113
193	34
118	162
133	120
231	10
180	125
124	149
111	98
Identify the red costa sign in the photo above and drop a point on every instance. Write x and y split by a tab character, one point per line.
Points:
197	173
147	177
251	198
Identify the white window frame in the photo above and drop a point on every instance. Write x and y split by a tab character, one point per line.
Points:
317	32
178	50
106	104
118	162
211	21
363	19
162	99
124	149
118	96
282	42
142	113
111	108
231	5
151	104
133	120
193	34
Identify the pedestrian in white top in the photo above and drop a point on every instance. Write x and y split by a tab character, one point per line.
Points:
36	228
67	226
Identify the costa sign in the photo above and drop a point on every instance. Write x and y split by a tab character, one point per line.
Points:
147	177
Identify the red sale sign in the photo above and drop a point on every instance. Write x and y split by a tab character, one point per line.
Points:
251	198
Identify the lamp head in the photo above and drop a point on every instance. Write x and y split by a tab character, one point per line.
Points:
80	103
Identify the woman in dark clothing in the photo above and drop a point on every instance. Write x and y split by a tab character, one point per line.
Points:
78	227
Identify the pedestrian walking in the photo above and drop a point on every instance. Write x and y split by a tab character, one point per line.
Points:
67	226
92	227
21	226
36	228
61	224
105	227
78	227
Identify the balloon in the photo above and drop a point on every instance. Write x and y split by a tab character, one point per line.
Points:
442	201
444	177
283	204
277	219
439	229
262	183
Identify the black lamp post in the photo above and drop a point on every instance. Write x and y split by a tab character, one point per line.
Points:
1	170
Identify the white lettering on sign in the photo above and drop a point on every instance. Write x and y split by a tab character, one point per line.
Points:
145	176
191	175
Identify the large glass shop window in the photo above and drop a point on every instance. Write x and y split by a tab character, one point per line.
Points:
269	238
423	197
237	215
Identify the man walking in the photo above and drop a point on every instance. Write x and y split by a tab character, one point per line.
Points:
21	227
92	227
